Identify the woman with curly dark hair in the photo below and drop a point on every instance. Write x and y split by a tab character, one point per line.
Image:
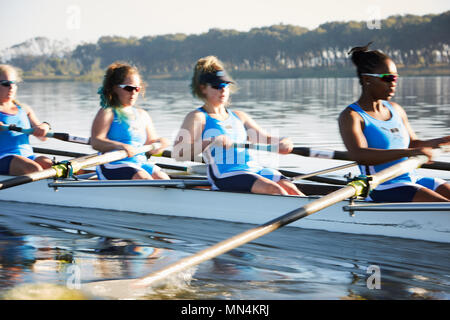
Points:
119	125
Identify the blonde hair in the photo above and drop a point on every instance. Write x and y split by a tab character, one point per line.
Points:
5	68
209	64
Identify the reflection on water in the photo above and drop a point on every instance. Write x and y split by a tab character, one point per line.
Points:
288	264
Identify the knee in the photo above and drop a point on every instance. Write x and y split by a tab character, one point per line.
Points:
20	166
276	189
290	188
160	175
267	187
142	175
31	167
44	162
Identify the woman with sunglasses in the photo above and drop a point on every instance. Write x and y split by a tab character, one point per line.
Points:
16	153
119	125
213	128
377	133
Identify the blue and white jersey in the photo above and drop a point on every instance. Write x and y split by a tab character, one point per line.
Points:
380	134
12	142
129	131
224	161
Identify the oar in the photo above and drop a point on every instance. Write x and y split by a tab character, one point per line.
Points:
330	154
67	168
287	173
354	188
56	135
201	169
195	169
63	153
343	155
316	173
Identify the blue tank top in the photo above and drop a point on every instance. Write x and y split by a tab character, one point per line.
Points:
380	134
226	160
15	143
129	131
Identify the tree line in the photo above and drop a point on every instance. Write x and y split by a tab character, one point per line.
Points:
412	41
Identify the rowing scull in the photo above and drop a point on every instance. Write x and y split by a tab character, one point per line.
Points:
192	198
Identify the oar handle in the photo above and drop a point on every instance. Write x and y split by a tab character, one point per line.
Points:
325	154
56	135
343	155
13	127
256	146
69	138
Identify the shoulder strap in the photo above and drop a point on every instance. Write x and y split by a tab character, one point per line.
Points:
390	107
356	107
202	110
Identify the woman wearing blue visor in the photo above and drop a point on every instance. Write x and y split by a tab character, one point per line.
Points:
212	129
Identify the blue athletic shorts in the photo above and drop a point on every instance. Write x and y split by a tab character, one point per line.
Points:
5	162
241	181
123	171
404	191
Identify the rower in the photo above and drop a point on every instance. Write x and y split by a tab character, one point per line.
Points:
213	128
119	125
377	133
16	153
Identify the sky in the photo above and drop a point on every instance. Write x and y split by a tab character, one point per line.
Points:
86	20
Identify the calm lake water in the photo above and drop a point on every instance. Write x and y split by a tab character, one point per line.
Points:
288	264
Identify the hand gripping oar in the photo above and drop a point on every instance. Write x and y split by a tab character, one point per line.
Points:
67	168
355	188
343	155
56	135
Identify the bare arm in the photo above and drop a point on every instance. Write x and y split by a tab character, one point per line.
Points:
351	129
40	129
100	127
152	136
415	142
188	143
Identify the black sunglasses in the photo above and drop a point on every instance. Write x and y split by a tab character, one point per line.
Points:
7	83
129	88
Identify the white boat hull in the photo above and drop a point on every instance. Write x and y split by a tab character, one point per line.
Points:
421	224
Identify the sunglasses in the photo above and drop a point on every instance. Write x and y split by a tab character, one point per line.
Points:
129	88
386	77
7	83
220	86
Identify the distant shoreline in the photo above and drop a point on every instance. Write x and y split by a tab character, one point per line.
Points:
437	70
